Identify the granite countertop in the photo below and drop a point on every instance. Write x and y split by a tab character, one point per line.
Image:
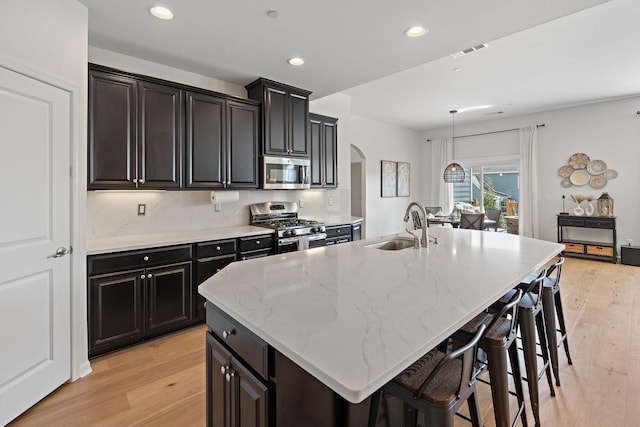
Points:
338	220
143	241
354	317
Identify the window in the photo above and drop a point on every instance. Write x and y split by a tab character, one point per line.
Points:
488	186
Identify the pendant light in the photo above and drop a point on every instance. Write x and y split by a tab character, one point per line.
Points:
453	173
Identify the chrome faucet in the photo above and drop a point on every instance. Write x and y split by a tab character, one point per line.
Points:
423	219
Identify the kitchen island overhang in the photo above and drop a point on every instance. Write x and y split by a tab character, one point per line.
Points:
354	316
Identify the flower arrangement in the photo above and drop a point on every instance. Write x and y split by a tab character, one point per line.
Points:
579	198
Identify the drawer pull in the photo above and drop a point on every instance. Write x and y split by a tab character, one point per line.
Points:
146	258
218	248
227	334
217	270
149	276
257	242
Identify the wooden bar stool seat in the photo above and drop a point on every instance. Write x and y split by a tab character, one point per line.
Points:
436	385
499	343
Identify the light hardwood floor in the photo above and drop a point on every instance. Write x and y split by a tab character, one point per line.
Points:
162	382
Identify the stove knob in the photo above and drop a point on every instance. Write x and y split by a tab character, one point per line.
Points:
286	233
319	229
294	231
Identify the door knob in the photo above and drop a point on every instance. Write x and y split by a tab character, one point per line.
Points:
60	252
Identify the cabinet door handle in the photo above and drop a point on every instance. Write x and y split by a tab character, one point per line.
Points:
149	276
143	277
227	334
146	258
135	180
142	181
224	369
244	258
217	270
230	375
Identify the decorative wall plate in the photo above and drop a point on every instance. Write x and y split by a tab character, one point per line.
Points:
565	171
579	161
610	174
579	177
596	167
597	181
566	183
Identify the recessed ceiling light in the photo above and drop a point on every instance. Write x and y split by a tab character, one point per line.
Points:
457	69
473	108
296	61
161	12
416	31
273	14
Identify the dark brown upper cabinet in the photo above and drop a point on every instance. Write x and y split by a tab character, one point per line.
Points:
222	138
323	139
135	133
285	117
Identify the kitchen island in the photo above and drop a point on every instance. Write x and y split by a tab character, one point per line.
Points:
352	316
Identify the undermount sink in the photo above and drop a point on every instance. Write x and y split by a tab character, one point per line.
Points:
392	244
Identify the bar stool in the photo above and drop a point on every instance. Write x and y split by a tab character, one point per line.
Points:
498	341
437	385
529	319
552	307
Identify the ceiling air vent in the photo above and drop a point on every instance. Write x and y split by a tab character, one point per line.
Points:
468	51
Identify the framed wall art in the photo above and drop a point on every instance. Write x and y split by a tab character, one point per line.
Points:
404	176
388	178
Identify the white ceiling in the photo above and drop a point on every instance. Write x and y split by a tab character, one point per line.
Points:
541	55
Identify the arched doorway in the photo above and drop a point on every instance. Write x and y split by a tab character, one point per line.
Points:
358	185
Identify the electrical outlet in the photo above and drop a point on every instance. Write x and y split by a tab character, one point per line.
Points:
330	201
218	207
301	203
142	209
629	242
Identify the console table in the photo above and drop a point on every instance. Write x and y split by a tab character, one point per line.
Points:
588	249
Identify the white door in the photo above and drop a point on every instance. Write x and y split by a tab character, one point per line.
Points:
35	135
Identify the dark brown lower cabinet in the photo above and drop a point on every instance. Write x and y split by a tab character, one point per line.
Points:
137	295
235	397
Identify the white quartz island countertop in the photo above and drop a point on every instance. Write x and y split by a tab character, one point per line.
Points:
354	316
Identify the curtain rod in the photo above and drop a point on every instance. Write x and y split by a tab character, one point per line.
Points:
489	133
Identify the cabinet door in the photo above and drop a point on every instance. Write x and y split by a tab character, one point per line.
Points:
330	165
205	268
205	123
248	398
299	116
168	297
243	136
276	126
115	310
112	144
160	136
315	145
218	390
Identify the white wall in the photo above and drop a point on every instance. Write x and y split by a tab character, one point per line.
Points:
50	38
608	131
381	141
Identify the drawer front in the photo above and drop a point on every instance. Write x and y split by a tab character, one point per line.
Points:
337	231
599	223
243	342
216	248
120	261
207	267
575	248
255	243
574	222
600	250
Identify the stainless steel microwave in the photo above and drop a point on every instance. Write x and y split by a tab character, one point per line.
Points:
286	173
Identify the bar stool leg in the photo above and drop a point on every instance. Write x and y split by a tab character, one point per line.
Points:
549	312
517	380
497	359
544	346
528	334
563	328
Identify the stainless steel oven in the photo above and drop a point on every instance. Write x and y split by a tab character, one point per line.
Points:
292	233
286	173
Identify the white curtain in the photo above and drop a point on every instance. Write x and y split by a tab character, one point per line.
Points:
527	208
441	155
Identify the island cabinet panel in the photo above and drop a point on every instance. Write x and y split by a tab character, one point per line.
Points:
285	116
323	140
256	246
136	295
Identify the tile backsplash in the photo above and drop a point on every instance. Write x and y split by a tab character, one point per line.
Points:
111	214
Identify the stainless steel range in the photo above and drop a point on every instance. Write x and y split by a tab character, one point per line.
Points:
293	233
